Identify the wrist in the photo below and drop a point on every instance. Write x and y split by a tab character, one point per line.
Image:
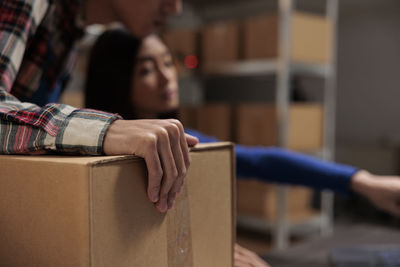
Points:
109	136
362	182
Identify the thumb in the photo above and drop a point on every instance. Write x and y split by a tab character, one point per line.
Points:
191	140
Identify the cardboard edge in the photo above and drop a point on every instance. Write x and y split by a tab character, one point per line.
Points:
210	146
234	199
90	215
225	145
113	159
231	146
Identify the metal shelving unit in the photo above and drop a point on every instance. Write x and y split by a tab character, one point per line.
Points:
267	67
284	68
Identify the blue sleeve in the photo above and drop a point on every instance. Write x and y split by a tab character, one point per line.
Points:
283	166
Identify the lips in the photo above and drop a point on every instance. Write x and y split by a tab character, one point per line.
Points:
169	94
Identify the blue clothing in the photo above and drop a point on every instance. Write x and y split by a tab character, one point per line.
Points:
282	166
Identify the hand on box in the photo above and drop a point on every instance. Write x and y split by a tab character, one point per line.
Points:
247	258
163	145
382	191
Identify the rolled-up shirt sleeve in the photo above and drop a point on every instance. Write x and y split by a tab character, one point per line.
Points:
27	128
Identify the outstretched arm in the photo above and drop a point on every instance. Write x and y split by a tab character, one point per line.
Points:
283	166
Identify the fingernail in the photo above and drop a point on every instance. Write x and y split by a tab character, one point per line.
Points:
162	206
155	197
171	203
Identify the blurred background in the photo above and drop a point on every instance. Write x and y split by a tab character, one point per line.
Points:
320	77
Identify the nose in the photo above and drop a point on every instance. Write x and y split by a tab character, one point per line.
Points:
171	7
163	77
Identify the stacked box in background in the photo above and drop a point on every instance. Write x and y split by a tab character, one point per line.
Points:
310	38
261	37
260	200
213	120
257	38
220	43
257	124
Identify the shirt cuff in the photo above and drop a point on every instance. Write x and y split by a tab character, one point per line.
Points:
83	132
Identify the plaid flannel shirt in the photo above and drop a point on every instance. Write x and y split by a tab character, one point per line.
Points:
36	39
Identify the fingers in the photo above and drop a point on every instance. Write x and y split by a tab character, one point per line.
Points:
246	258
164	146
181	155
169	164
175	159
155	172
191	140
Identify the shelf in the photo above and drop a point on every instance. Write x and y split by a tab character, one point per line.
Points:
303	227
265	67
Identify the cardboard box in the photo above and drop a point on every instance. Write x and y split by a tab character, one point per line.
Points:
212	119
310	39
260	200
257	124
220	43
306	123
94	211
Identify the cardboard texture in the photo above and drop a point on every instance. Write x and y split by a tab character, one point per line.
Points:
220	43
261	37
260	200
310	39
94	211
257	124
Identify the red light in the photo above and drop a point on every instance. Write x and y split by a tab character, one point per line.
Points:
191	62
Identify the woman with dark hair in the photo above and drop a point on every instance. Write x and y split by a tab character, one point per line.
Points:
143	78
111	67
108	70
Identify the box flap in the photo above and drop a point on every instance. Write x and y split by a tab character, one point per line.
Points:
95	160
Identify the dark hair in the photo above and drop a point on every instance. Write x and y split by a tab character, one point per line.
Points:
109	73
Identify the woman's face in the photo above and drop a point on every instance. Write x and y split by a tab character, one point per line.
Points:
155	85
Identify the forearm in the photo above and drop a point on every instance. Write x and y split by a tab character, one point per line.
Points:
283	166
26	128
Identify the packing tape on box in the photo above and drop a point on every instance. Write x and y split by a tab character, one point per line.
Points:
180	252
